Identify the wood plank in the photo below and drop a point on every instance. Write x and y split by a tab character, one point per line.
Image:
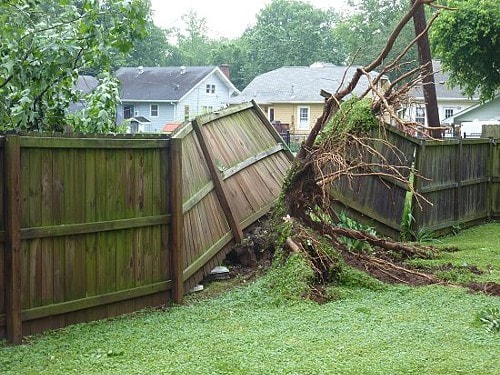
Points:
250	161
12	219
100	300
93	227
91	142
206	256
176	210
219	187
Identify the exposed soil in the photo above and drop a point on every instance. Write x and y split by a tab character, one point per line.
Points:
254	256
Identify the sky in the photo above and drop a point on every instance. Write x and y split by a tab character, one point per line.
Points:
225	18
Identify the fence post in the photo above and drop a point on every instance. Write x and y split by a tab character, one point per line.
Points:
12	217
177	221
219	186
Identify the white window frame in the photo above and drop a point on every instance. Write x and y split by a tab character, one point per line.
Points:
448	110
270	114
210	88
151	110
130	108
303	122
420	115
207	108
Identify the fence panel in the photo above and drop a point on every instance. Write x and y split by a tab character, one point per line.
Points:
375	195
456	181
94	228
233	168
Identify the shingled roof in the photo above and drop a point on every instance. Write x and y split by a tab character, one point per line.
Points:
300	84
161	83
440	83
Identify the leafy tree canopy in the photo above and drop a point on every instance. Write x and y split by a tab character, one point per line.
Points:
290	33
467	40
45	44
366	29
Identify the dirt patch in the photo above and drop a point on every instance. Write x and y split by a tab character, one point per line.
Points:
389	271
254	256
489	288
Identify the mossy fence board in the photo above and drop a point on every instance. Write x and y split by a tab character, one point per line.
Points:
458	180
94	227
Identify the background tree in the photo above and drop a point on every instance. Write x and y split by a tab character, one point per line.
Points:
46	44
366	28
192	41
467	40
290	33
152	50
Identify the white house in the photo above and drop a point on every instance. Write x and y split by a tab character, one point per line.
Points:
470	121
450	100
155	97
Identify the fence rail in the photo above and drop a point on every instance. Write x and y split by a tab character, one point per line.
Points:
96	227
458	181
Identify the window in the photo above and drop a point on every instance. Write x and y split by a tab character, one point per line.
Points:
210	89
448	112
420	115
128	111
270	114
186	112
303	118
207	109
153	110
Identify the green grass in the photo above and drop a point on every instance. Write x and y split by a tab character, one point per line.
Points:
370	329
477	246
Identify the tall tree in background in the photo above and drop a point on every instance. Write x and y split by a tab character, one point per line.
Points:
366	28
467	40
153	50
192	41
46	44
290	33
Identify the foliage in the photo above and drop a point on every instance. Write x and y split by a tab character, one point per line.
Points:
491	319
46	44
352	244
99	113
152	50
467	41
290	33
366	28
354	115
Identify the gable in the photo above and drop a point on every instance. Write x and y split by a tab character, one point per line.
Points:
160	83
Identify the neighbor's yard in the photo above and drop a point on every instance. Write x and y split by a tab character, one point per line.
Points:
371	329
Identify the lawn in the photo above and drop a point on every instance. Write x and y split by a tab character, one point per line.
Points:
371	329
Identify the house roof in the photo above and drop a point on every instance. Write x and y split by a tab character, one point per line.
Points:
301	84
163	83
440	82
487	111
86	83
140	119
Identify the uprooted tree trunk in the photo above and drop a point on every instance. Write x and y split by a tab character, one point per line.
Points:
340	147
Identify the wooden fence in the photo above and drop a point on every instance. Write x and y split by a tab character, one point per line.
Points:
94	227
459	178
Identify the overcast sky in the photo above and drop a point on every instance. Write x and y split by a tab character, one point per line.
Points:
225	18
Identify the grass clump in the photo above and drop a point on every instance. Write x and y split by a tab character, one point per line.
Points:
471	255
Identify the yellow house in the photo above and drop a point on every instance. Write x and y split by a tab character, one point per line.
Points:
290	96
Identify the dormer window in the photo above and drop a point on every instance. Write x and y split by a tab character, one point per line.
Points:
210	89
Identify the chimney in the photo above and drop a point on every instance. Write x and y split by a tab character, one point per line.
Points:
182	69
225	69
